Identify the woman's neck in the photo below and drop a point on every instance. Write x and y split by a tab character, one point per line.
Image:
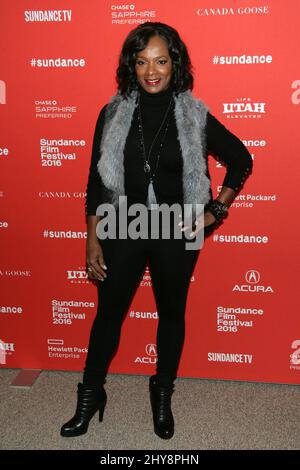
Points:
155	99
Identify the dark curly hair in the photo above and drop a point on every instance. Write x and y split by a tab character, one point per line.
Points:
182	78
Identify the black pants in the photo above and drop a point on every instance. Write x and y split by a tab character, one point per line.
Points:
171	267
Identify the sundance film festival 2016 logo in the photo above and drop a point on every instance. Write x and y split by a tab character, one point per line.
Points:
295	98
190	225
295	356
52	151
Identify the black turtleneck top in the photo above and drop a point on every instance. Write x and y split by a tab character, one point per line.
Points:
220	142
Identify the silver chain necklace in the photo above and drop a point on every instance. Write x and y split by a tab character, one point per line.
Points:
151	199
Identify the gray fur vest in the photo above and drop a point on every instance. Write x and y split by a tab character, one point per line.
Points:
190	116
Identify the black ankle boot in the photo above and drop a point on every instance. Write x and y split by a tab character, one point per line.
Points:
90	399
160	398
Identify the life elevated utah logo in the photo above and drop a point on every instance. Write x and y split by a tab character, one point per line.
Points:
2	353
254	284
5	350
244	108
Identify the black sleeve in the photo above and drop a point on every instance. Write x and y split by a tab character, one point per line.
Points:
230	151
93	189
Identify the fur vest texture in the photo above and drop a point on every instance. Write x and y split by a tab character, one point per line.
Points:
190	115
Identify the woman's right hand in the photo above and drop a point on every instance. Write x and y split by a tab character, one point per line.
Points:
94	261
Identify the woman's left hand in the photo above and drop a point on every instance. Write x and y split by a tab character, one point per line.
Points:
208	219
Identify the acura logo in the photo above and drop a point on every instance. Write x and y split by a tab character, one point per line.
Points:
252	277
151	350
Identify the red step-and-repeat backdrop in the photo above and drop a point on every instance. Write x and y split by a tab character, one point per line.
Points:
58	64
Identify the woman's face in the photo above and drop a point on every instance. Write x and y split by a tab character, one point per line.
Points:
153	66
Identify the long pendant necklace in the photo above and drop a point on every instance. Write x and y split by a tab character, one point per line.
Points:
151	199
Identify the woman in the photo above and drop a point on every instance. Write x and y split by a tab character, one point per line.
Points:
153	137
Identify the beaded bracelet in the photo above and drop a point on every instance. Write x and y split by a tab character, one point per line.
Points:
218	209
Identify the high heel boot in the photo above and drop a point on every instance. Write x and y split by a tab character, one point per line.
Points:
90	399
160	398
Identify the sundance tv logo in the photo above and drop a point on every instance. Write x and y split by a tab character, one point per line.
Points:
252	278
46	16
